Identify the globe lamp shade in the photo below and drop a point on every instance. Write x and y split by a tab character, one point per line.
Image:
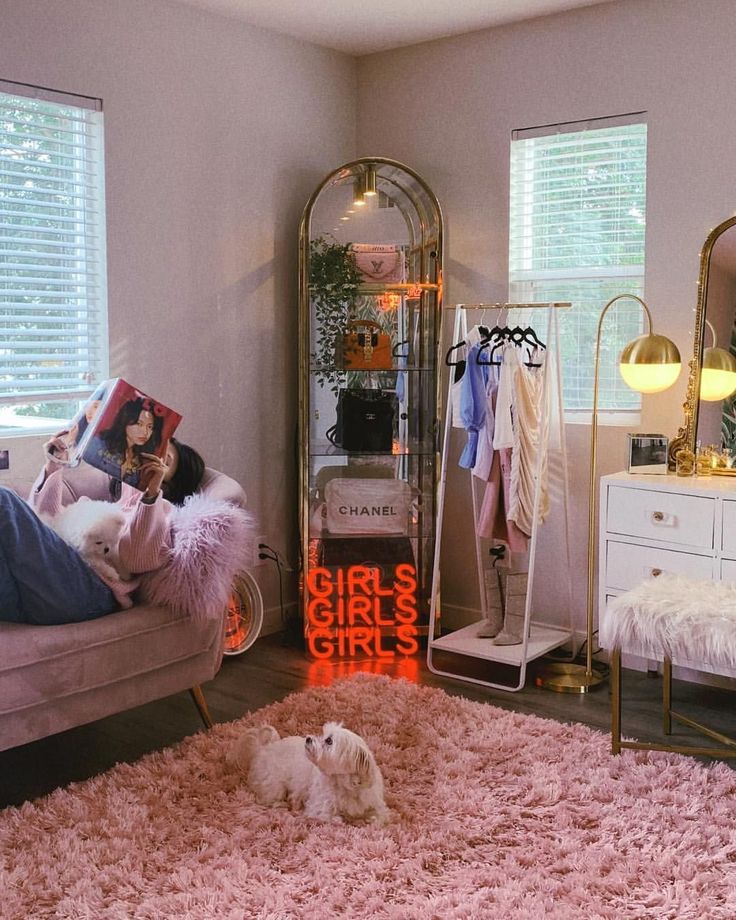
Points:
717	375
650	364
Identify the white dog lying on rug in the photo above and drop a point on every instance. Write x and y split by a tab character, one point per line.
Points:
332	778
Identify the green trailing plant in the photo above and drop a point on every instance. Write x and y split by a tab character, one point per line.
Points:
334	282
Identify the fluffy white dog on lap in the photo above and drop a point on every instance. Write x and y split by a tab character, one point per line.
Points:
93	528
332	778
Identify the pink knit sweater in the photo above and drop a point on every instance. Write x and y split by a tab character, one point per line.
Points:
146	539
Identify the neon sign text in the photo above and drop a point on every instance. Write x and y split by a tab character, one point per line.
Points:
348	612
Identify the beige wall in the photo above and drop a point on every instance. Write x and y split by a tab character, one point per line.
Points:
447	108
216	133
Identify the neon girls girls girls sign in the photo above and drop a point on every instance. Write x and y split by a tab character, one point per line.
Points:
351	613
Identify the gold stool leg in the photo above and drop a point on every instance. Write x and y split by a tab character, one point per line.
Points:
616	701
667	697
201	704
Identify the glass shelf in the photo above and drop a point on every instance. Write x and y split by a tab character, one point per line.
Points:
414	368
327	449
407	288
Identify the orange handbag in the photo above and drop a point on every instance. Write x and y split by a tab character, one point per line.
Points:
366	347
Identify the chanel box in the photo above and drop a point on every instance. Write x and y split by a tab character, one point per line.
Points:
648	453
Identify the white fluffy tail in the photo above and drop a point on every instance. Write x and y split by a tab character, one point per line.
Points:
242	751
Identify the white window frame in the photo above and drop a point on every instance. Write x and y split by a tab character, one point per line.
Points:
530	279
53	259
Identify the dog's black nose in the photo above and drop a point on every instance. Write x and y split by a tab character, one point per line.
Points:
107	549
309	741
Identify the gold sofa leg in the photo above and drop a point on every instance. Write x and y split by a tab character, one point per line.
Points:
201	703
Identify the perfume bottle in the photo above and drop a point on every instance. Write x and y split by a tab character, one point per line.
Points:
702	460
718	458
684	462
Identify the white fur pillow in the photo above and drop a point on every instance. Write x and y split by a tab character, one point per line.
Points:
212	541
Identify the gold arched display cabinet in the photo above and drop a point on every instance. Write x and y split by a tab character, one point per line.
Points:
370	300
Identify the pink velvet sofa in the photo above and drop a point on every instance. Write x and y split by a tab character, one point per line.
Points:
56	677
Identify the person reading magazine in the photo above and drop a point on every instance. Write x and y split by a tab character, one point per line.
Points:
45	581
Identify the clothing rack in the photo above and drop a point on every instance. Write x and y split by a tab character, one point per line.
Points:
538	638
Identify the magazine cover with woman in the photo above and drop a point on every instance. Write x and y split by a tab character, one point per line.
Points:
117	427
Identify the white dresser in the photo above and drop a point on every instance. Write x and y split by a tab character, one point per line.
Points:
652	524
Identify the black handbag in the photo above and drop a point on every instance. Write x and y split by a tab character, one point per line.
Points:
365	421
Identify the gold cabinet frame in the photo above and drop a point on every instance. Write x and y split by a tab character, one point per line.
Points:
400	200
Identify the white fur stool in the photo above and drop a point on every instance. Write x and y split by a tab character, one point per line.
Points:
672	618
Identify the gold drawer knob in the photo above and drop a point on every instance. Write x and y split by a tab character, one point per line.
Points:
657	516
656	573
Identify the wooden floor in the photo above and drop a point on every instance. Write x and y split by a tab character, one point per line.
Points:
272	669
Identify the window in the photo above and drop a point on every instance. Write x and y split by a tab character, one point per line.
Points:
577	223
53	300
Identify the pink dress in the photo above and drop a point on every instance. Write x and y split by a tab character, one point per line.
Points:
493	520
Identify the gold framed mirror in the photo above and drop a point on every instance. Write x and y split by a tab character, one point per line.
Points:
710	416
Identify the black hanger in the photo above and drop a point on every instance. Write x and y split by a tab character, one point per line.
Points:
533	342
484	333
518	336
491	362
450	351
489	334
532	338
501	336
496	337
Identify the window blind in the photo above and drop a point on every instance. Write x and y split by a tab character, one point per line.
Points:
53	302
577	227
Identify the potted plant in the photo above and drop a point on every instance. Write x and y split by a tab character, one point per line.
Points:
334	281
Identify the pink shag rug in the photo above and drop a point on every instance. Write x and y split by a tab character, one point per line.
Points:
496	815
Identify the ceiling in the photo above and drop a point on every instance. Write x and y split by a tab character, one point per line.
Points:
380	25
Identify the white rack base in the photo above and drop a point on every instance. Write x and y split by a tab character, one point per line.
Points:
465	641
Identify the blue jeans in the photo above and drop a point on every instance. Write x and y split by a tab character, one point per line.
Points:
43	580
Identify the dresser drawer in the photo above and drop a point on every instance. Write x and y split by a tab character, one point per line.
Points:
667	516
628	565
728	542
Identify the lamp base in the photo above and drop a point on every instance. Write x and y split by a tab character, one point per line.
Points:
568	678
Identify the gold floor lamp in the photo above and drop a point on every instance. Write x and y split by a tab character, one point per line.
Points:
650	363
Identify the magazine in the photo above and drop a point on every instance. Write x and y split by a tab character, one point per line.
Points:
115	427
